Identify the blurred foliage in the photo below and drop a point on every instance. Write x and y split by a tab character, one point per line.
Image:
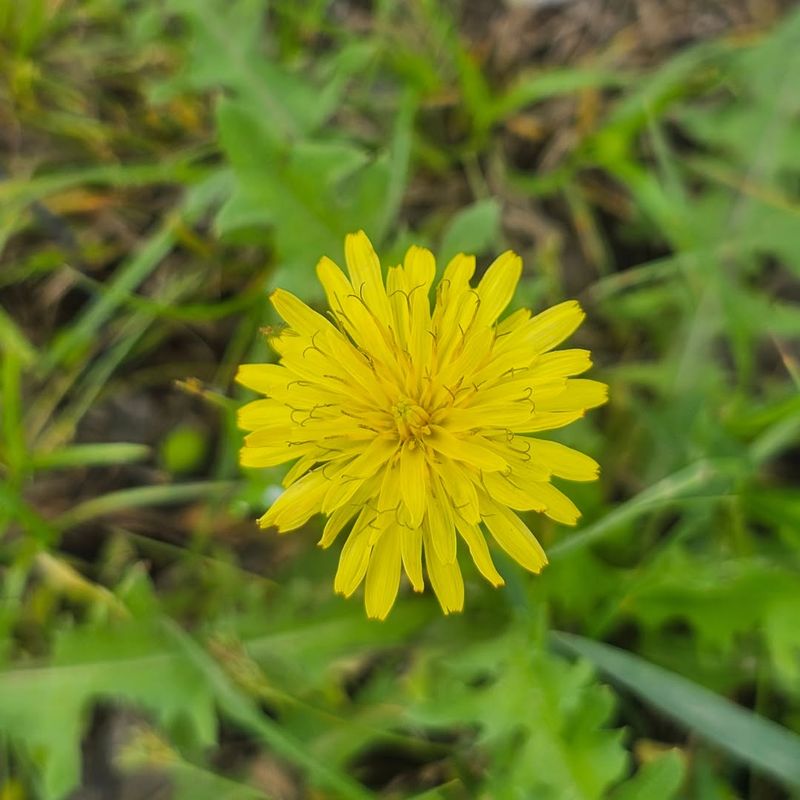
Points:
165	164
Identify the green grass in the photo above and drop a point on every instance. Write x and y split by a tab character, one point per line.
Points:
175	161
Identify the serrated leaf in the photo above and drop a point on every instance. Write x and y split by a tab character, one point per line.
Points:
659	779
44	708
312	192
718	597
541	720
723	598
473	230
224	48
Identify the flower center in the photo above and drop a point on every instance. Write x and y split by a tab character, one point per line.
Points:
411	419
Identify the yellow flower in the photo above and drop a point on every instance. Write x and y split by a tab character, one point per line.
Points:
416	423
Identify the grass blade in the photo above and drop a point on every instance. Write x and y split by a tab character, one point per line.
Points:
680	484
92	455
138	497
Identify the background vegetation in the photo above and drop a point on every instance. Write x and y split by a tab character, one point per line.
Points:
166	163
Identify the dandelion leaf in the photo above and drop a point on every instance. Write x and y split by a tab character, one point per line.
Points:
44	708
541	720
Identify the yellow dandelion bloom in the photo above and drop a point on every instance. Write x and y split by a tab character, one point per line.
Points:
415	423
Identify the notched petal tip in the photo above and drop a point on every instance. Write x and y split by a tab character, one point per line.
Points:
240	373
358	245
572	306
324	266
264	522
249	376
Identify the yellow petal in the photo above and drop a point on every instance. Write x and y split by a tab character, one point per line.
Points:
390	495
263	414
455	331
271	455
563	461
355	555
445	578
459	271
297	504
469	449
441	523
420	268
356	367
516	451
505	490
479	551
363	468
368	329
336	522
560	364
262	378
298	316
451	293
383	574
507	415
459	485
471	355
578	393
300	468
546	421
414	482
400	302
555	324
338	290
365	273
513	322
520	348
411	550
497	286
557	505
511	533
315	426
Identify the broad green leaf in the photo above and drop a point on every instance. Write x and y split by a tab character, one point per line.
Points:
473	230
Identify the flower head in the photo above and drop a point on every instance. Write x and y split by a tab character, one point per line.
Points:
415	423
